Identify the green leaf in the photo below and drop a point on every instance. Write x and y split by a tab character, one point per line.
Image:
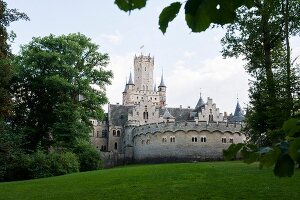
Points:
291	127
200	14
129	5
231	152
167	15
268	156
294	150
284	166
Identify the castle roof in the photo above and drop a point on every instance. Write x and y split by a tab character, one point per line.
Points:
180	114
118	114
162	84
199	105
130	82
238	114
167	115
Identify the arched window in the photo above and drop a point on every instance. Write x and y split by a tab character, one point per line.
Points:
145	115
118	133
114	132
116	145
145	68
210	118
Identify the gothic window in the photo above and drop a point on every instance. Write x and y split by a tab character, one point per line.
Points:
114	132
210	118
203	139
118	133
231	140
194	139
164	139
224	140
116	145
145	68
172	139
145	115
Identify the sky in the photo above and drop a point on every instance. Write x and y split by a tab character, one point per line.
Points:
191	62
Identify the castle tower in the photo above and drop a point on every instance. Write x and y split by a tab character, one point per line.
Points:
143	73
162	92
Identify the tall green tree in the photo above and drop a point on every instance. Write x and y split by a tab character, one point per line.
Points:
257	35
55	95
6	17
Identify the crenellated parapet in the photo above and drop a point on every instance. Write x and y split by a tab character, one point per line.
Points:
187	126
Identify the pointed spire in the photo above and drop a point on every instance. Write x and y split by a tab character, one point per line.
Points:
238	113
162	84
200	102
155	90
130	82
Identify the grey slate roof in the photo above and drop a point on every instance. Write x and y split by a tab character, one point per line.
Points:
162	84
167	114
180	114
118	114
238	114
199	105
130	82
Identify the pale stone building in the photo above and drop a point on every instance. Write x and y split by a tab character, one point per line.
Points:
143	129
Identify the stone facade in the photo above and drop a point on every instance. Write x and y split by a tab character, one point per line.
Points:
143	129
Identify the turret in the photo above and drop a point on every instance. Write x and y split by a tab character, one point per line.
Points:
238	114
162	92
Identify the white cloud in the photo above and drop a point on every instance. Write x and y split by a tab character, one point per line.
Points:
218	78
114	38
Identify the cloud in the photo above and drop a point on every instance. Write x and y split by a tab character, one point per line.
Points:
218	78
115	38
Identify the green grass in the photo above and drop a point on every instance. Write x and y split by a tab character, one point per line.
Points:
206	180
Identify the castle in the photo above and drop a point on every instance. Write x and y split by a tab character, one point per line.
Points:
143	129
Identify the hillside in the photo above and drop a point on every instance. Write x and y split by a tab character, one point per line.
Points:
206	180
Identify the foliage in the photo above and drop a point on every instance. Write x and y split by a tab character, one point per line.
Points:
214	180
6	17
54	96
199	14
89	158
284	156
257	36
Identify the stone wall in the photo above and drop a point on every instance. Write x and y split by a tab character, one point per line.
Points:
153	143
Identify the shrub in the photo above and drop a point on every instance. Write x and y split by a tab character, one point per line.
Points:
63	163
89	158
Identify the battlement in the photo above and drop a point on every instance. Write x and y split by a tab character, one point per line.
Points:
187	126
143	59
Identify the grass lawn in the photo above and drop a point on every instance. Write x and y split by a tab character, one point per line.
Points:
205	180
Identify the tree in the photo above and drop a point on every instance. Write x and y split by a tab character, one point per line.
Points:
257	35
6	17
53	90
